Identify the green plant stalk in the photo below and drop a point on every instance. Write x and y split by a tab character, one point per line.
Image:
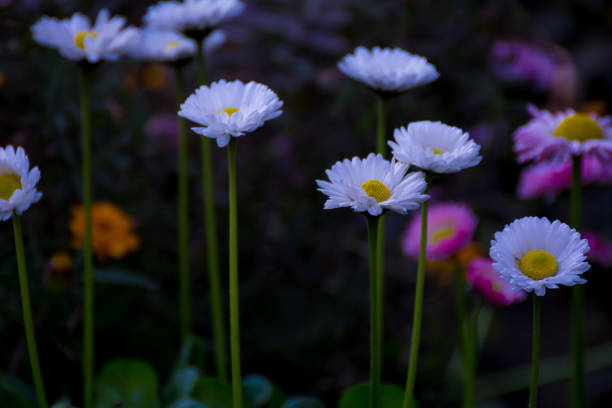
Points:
471	357
183	215
27	314
88	284
577	388
233	277
211	240
375	349
418	307
380	239
535	353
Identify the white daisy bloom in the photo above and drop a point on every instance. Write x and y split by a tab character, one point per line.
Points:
534	254
227	109
434	146
76	39
388	70
161	45
559	135
17	182
192	14
373	184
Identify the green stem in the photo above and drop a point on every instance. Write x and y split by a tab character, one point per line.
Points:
233	278
211	239
381	112
27	314
471	357
578	388
88	284
535	353
375	366
460	309
380	239
183	220
418	307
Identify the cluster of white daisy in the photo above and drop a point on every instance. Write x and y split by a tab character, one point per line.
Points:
161	39
17	182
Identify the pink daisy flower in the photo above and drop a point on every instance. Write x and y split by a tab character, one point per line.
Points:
488	283
547	179
450	227
601	251
560	135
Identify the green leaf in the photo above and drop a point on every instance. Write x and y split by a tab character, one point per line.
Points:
63	403
186	403
212	393
358	396
303	402
192	353
16	394
180	384
123	277
128	384
257	391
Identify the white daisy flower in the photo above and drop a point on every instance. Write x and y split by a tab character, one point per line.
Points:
161	45
388	70
436	147
198	15
373	184
560	135
534	254
227	109
77	40
17	182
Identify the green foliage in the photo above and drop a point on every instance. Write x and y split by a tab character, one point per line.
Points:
187	403
180	385
358	396
127	383
257	391
192	353
212	393
120	276
16	394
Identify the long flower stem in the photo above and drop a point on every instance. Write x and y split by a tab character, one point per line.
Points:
578	389
535	353
418	307
27	314
380	240
183	209
471	357
375	346
211	240
88	284
233	277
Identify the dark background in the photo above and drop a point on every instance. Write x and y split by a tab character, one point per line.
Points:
304	277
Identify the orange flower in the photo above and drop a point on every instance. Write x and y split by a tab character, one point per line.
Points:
111	230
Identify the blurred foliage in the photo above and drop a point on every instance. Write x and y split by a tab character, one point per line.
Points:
304	280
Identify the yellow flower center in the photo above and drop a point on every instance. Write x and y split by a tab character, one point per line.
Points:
442	233
538	264
9	183
579	127
436	151
79	38
377	190
171	45
496	287
230	111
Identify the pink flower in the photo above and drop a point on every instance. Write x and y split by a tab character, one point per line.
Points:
488	283
547	179
518	61
601	251
558	136
450	227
